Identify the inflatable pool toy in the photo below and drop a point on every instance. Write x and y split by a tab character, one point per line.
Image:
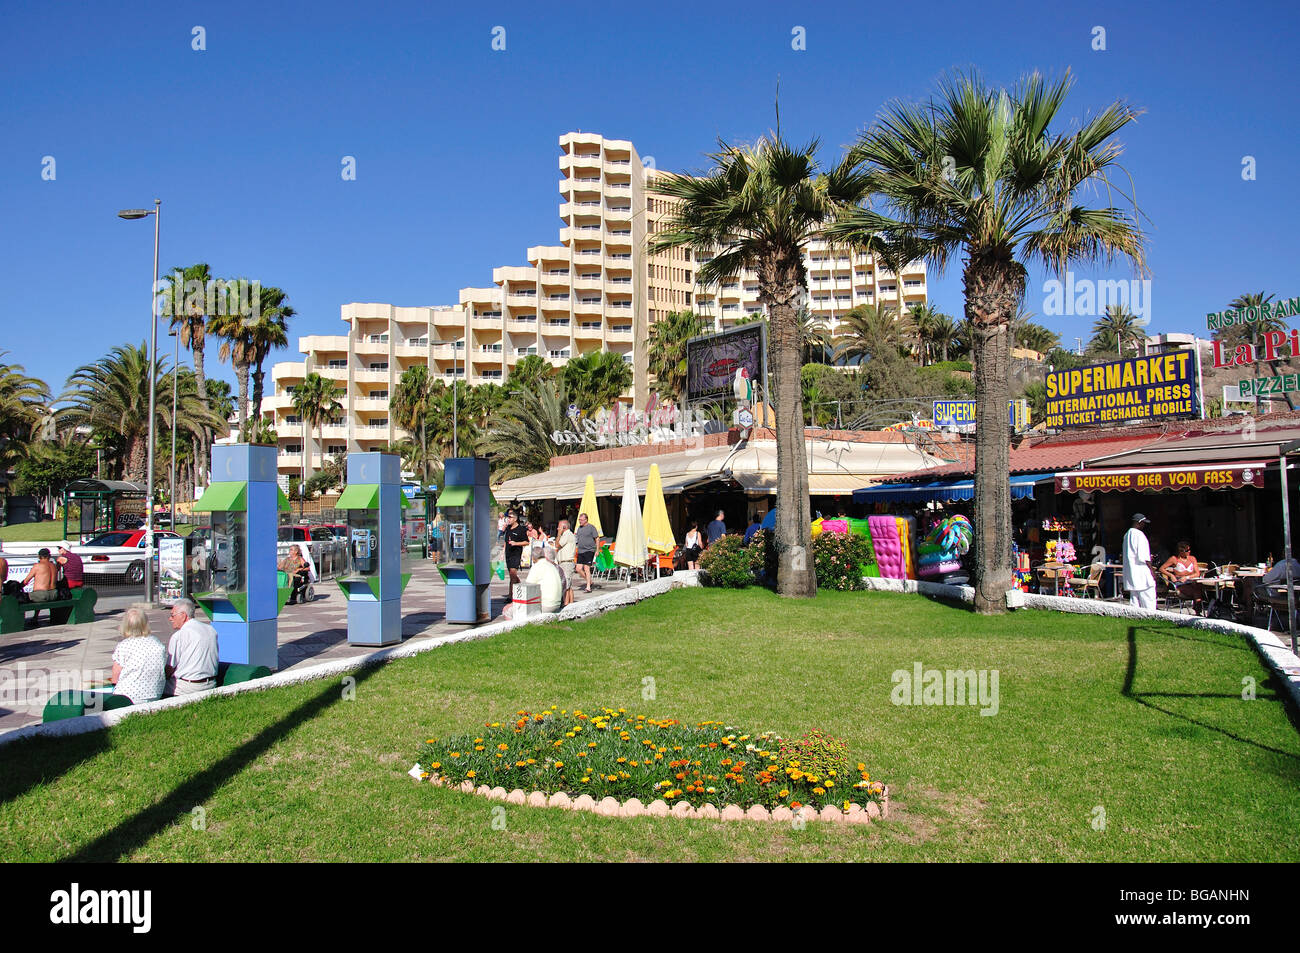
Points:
941	552
893	539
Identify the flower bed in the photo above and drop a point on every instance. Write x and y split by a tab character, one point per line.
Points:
612	754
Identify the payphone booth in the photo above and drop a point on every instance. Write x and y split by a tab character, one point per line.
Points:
244	598
464	559
374	580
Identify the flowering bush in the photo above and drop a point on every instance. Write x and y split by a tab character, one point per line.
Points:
729	564
612	753
841	560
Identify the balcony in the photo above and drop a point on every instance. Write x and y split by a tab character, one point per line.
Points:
489	349
589	284
294	370
374	377
588	331
620	186
618	212
521	326
449	318
371	403
621	332
587	307
334	432
570	163
367	432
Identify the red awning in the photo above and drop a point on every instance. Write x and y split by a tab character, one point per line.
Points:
1198	477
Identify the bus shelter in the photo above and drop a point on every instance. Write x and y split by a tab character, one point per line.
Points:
103	504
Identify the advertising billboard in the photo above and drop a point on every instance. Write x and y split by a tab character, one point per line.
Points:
712	360
1137	388
960	414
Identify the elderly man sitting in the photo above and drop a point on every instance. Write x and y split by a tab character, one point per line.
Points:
191	653
546	575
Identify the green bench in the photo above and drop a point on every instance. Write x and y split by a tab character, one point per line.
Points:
73	704
77	610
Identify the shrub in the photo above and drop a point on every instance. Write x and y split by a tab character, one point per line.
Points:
841	560
611	753
728	564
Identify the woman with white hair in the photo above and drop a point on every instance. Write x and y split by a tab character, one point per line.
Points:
139	661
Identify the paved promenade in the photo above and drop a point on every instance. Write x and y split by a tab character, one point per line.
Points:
46	659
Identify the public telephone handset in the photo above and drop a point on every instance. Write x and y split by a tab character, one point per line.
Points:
363	551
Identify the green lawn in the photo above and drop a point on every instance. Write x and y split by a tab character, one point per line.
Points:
1146	723
53	529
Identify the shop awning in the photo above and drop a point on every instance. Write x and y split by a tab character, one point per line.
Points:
223	497
455	496
1136	479
948	491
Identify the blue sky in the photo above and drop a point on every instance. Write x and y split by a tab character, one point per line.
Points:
456	148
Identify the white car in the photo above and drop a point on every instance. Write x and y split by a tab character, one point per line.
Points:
116	553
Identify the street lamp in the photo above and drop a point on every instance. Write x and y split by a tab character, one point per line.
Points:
176	366
131	214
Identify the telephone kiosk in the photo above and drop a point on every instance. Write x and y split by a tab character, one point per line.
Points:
373	584
466	505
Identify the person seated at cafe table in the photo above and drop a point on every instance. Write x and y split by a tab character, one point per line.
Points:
1179	569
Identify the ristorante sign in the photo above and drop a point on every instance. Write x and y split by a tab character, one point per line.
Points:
623	427
1206	477
1131	389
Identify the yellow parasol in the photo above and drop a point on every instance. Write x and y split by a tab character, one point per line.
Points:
658	533
629	544
589	504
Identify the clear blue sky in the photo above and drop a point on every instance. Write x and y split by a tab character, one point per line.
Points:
456	144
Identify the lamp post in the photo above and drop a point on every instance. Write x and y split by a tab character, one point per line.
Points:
130	214
176	367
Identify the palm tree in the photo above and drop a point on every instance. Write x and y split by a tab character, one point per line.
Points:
410	410
667	351
1116	331
239	348
189	319
111	397
23	407
597	379
977	172
315	400
925	322
1253	334
869	330
267	332
759	206
518	438
943	333
1035	337
815	343
528	372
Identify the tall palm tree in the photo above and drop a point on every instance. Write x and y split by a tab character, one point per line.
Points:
518	438
815	342
189	319
410	410
943	333
531	369
315	400
667	351
923	324
759	206
596	379
1117	332
24	403
239	347
268	331
976	171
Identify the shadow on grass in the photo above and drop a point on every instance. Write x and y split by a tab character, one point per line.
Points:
37	761
1145	698
136	831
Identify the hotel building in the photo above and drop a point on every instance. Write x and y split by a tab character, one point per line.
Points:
597	289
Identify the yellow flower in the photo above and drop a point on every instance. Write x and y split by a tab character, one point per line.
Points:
478	747
429	741
861	766
503	747
819	790
591	744
830	784
436	765
785	792
582	754
622	760
559	764
471	774
455	754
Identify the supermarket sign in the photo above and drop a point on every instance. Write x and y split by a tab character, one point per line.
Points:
1136	388
961	414
1208	476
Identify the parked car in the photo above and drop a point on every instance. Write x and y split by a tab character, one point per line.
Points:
119	552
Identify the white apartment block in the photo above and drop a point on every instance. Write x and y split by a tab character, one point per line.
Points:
595	290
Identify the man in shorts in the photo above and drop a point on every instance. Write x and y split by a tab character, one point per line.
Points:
41	577
586	539
516	539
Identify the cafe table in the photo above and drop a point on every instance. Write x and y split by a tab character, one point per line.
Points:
1058	572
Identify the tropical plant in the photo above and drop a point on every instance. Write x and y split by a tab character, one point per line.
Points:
23	409
315	400
518	439
187	307
596	379
870	331
667	351
943	331
48	466
267	332
759	207
927	325
525	375
1116	333
410	409
977	171
239	348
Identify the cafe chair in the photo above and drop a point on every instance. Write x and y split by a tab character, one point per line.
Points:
1166	592
1092	585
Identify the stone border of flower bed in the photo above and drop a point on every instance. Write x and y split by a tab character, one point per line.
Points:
633	807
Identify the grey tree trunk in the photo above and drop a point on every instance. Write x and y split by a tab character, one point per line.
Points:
202	440
796	575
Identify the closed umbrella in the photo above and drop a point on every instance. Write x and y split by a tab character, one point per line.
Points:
629	544
658	533
589	505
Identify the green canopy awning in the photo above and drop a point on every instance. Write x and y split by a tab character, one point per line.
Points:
359	496
406	504
456	496
283	503
223	497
